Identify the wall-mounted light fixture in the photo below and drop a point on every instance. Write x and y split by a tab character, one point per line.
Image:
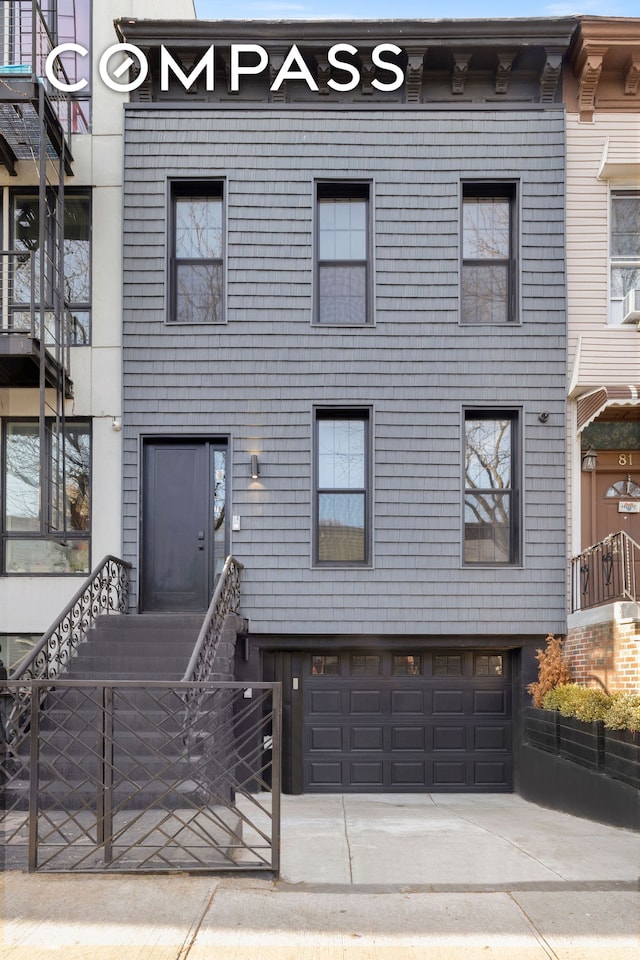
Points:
589	460
116	424
255	466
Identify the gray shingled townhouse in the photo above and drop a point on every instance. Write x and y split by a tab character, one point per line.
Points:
344	363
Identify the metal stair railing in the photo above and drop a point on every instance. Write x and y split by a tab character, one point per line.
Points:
106	590
225	600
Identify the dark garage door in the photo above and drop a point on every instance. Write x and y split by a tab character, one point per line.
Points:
424	721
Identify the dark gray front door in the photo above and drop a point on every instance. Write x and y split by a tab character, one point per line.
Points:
407	722
183	523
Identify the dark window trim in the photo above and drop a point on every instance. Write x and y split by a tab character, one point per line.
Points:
321	412
343	189
510	190
79	535
215	187
516	532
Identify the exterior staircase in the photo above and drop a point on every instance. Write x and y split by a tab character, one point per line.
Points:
136	728
137	647
122	749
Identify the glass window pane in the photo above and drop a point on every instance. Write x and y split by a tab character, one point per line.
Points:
26	237
488	666
487	527
22	472
14	647
80	327
77	250
485	293
198	228
343	294
325	666
365	666
341	454
219	507
447	666
624	279
47	556
486	228
343	229
341	527
199	293
625	225
78	476
487	453
407	666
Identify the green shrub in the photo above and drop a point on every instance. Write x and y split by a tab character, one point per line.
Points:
572	700
623	712
619	711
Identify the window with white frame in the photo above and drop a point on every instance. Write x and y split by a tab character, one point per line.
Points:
624	250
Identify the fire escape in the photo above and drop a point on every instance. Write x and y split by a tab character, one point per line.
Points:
35	332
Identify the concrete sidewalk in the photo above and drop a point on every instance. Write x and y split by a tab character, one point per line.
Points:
390	877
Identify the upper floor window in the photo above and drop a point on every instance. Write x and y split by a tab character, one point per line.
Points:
343	254
197	253
491	479
28	268
342	487
489	268
624	247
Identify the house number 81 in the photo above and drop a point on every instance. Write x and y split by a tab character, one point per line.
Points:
625	459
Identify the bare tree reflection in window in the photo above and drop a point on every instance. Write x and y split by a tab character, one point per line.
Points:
198	243
487	255
488	506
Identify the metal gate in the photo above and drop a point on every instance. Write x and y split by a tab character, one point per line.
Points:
131	776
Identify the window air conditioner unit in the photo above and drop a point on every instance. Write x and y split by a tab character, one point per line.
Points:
631	307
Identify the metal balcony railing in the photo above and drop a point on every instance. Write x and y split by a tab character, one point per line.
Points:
606	572
27	37
23	312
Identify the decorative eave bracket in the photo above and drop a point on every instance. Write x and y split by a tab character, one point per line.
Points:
590	70
503	72
551	73
414	75
632	75
460	67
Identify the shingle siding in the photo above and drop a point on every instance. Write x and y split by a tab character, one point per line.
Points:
256	377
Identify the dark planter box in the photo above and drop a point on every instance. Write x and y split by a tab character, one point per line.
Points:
542	729
582	742
622	756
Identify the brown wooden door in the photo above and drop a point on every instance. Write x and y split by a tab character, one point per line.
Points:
611	497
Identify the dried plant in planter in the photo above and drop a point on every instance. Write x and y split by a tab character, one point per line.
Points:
552	670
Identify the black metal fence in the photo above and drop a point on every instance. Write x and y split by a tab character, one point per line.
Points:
122	776
606	572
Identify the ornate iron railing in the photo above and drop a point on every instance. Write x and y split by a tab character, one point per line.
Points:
225	601
106	590
605	572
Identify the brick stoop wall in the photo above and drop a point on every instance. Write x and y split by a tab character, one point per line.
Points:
602	647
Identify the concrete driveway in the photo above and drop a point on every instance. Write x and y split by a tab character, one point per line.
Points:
391	877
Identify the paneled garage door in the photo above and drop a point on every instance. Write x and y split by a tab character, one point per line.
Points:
407	722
